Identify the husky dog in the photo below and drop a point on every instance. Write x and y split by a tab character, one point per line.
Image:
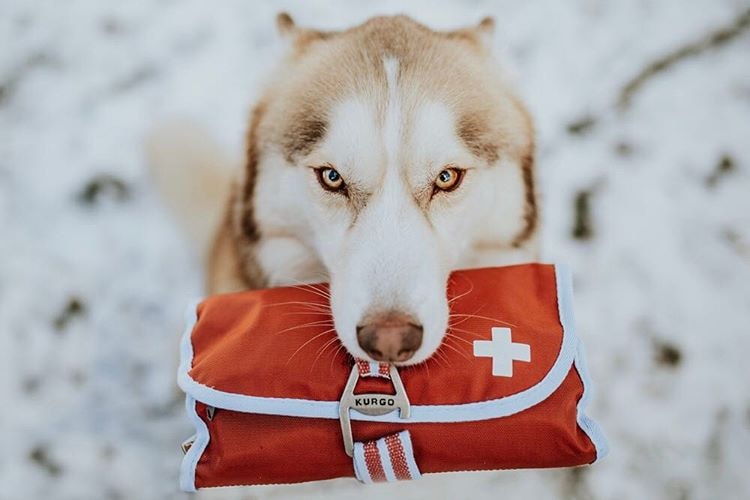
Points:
379	158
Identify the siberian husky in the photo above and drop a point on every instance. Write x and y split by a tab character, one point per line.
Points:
379	158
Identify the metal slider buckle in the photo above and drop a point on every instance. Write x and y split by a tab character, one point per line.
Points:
187	444
370	404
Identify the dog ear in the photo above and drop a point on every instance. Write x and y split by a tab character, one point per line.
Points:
479	34
299	38
486	26
484	31
285	24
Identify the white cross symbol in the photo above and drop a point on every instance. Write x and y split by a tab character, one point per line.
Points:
503	352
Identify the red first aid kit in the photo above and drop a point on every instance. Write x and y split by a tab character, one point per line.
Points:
275	399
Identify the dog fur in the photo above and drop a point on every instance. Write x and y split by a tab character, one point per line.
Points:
388	104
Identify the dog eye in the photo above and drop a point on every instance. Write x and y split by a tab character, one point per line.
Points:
448	179
330	179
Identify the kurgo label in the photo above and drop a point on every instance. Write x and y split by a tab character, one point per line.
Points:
374	401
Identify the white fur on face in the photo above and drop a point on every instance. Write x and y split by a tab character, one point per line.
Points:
390	259
393	122
395	250
387	256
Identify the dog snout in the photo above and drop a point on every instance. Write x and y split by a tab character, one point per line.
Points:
390	337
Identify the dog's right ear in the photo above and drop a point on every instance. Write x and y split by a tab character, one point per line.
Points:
285	24
299	38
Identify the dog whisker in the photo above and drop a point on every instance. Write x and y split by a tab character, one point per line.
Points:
477	316
451	301
335	355
313	289
306	325
322	350
452	280
309	310
306	308
309	313
307	287
446	344
461	330
441	356
307	342
456	337
319	305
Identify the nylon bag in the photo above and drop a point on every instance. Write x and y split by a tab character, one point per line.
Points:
274	399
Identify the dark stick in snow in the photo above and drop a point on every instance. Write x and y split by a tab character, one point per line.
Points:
711	41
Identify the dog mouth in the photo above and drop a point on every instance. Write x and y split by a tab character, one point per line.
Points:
399	320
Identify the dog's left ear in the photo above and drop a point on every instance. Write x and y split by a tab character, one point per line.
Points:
486	26
480	34
485	30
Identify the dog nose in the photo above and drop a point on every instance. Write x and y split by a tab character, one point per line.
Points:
391	336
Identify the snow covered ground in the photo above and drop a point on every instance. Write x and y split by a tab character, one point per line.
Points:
647	201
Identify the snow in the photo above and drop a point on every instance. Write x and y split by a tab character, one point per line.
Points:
663	302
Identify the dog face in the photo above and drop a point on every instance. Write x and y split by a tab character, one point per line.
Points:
382	158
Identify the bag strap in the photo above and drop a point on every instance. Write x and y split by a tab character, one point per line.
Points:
390	458
372	369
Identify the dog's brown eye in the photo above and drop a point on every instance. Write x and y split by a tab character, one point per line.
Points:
330	179
448	179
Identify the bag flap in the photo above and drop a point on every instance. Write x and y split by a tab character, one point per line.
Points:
509	346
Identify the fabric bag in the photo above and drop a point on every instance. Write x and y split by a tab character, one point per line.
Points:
275	399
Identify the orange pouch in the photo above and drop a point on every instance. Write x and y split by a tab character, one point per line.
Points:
272	393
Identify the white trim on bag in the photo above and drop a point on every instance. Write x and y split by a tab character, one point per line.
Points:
465	412
586	423
190	460
202	436
567	318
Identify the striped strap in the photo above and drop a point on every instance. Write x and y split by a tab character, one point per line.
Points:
390	458
371	369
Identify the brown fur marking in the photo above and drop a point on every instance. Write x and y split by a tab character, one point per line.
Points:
531	215
232	263
302	135
248	226
473	130
224	273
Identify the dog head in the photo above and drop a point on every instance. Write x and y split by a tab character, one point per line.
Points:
381	158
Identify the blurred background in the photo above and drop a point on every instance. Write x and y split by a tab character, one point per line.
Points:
643	116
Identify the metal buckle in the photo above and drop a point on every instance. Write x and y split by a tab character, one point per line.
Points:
187	444
370	404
